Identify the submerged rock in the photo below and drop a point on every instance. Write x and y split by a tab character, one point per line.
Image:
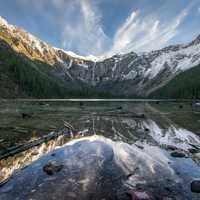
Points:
139	195
83	170
195	186
193	150
52	167
147	129
96	168
171	147
178	154
26	115
180	106
119	108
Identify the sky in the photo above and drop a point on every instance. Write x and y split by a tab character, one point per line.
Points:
106	27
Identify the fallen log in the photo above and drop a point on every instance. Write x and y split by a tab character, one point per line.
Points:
122	114
68	125
23	147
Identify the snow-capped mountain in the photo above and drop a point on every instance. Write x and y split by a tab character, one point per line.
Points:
133	74
129	74
30	45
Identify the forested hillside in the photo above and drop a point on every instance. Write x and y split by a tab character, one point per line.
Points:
185	85
21	77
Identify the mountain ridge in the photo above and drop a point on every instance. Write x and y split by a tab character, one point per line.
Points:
131	74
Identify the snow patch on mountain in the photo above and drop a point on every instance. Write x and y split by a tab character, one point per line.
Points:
74	55
3	21
130	75
70	64
83	65
180	60
5	24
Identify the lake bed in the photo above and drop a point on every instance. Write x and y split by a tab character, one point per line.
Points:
134	139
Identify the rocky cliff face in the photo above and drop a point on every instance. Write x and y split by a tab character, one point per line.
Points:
130	74
139	74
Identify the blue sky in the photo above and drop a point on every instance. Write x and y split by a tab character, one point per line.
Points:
106	27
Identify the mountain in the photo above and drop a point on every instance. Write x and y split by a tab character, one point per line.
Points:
140	74
184	85
32	68
52	72
21	77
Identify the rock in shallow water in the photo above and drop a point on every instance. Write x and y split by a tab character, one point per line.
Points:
193	150
139	195
178	154
84	170
94	168
52	167
195	186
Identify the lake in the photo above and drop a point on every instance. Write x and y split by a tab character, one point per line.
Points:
108	149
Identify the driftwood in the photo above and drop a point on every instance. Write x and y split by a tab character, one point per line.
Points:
5	181
196	146
68	125
23	147
122	114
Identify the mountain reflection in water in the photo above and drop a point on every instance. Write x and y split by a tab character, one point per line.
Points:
133	150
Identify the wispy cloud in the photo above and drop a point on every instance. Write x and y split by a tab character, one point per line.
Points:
82	31
87	33
137	33
79	22
145	34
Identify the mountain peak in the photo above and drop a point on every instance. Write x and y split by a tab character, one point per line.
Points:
3	21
